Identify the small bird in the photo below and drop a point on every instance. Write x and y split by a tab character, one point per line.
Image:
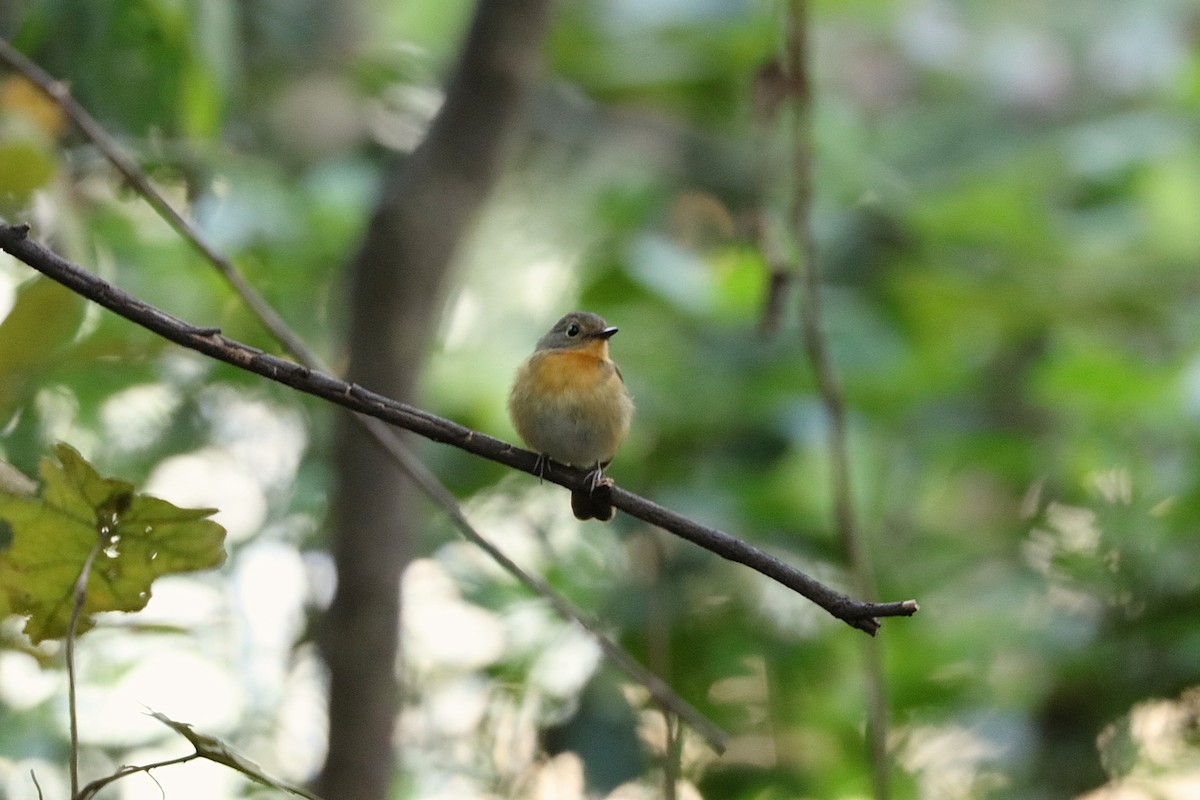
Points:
569	403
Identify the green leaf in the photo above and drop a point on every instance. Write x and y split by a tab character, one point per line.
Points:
37	331
137	538
42	321
26	165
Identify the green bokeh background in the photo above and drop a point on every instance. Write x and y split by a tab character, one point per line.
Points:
1005	211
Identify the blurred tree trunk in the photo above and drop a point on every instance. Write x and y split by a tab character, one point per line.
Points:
398	280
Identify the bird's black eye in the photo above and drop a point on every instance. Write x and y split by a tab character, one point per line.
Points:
572	329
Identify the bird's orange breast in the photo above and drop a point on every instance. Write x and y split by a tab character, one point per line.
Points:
569	371
571	404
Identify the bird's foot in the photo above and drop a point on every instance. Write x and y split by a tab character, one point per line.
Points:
541	466
597	478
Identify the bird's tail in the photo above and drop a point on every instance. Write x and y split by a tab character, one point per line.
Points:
592	502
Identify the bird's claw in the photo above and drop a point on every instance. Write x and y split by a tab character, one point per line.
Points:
541	466
597	478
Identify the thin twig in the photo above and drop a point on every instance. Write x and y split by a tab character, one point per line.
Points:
59	92
672	755
36	785
95	786
771	90
209	341
78	598
384	436
828	384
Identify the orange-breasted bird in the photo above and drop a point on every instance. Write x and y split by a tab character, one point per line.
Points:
569	402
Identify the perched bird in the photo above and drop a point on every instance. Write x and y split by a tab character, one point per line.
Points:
569	403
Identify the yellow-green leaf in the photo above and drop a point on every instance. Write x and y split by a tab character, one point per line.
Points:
43	320
137	537
42	323
26	165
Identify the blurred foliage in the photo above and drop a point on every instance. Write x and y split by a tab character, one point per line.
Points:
1005	212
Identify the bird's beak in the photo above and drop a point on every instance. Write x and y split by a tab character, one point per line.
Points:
606	333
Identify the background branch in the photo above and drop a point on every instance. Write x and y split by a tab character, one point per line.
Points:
832	398
60	93
13	239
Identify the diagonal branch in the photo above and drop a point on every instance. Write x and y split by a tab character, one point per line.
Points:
90	791
209	341
60	93
383	435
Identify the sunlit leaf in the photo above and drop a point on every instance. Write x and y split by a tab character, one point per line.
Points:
26	165
42	322
22	98
138	538
45	316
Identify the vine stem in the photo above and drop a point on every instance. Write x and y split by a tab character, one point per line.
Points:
78	598
798	56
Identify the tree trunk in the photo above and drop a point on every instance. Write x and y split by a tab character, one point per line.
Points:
398	280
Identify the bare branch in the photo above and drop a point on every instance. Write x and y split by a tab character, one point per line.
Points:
209	341
797	58
60	93
95	786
